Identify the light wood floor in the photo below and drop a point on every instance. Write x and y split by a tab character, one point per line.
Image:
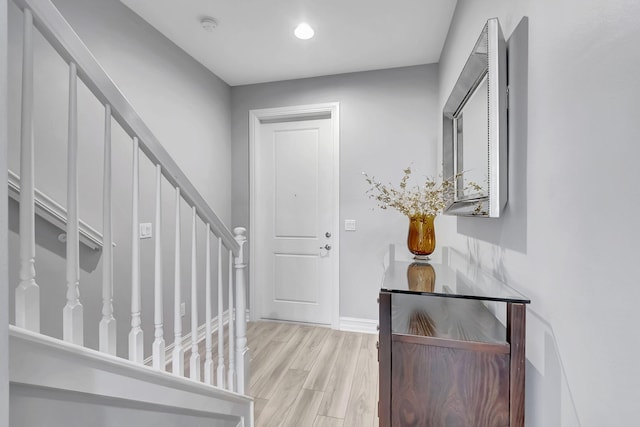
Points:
306	376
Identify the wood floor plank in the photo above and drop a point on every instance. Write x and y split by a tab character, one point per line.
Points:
258	407
251	326
308	355
338	388
322	421
305	409
297	366
285	332
265	386
361	410
376	419
277	408
318	377
262	364
264	333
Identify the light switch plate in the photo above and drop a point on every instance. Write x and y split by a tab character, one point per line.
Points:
145	230
350	225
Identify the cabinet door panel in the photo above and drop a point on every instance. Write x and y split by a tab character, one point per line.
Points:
445	387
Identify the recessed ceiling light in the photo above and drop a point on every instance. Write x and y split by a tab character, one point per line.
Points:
304	31
209	24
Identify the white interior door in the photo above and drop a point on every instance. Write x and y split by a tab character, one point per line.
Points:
294	216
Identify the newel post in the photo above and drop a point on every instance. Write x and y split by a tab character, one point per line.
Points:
242	351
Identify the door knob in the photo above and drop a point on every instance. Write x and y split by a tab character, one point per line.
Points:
327	234
327	247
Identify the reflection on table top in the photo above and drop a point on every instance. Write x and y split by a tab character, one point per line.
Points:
422	278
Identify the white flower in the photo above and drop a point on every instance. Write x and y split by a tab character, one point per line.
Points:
429	198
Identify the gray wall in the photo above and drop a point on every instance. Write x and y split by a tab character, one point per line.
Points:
388	120
4	285
569	237
185	106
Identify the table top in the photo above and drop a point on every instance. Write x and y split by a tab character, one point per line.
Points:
421	278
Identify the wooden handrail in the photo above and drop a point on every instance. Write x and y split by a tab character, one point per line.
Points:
53	26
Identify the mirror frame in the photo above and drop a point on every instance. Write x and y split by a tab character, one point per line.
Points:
493	64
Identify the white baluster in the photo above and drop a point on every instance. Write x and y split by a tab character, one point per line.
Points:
136	340
72	312
194	361
108	322
177	362
242	351
158	348
220	377
208	363
232	364
27	292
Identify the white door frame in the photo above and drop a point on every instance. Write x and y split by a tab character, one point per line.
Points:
298	112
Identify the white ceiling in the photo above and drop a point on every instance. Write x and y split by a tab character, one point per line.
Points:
254	40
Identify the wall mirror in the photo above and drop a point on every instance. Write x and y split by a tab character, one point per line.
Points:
474	123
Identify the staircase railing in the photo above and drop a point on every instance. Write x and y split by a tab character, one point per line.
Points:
232	375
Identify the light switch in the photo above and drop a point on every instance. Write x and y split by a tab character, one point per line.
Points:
350	225
145	230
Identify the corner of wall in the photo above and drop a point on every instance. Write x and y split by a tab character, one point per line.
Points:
4	285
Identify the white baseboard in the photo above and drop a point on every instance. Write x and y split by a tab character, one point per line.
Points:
353	324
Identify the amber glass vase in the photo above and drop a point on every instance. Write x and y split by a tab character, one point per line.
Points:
422	236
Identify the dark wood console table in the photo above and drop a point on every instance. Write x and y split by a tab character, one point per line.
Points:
451	349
